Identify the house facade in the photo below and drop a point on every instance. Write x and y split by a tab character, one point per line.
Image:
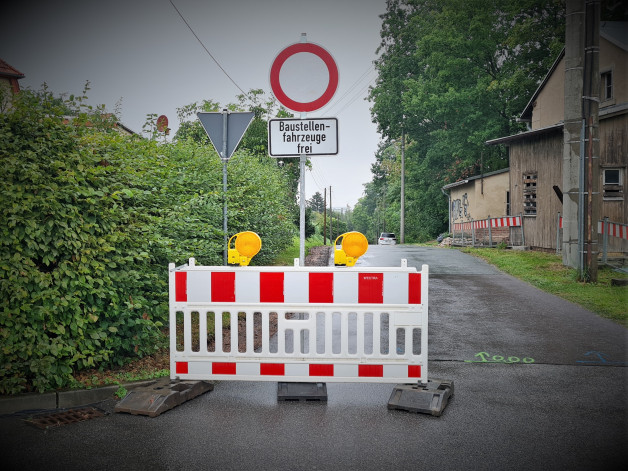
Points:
478	198
536	156
9	84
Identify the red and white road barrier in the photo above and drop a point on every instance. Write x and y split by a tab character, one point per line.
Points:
509	221
333	324
613	229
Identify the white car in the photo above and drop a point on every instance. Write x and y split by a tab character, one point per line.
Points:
387	238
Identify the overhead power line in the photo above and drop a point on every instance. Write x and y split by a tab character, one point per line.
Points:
206	50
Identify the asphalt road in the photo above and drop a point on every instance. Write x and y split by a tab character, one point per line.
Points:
559	402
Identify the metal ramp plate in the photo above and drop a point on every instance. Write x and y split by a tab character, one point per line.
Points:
161	396
430	398
302	392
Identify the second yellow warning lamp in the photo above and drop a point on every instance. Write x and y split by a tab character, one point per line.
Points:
247	244
353	246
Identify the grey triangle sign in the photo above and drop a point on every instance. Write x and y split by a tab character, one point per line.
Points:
236	125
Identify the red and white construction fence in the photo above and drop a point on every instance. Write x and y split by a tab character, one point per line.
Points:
509	221
613	229
333	324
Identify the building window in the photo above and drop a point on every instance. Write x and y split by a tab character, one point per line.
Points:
606	83
529	194
508	203
613	187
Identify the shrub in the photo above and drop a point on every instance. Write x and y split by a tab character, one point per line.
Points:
91	220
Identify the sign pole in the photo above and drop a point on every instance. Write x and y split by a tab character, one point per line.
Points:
225	137
302	160
224	184
286	134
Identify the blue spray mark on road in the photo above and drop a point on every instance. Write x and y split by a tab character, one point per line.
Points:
599	358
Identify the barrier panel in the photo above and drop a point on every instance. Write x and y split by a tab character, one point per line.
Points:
610	229
318	324
484	231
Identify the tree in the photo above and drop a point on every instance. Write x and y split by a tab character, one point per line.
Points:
453	74
316	202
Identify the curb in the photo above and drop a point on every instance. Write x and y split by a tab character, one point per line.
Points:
63	399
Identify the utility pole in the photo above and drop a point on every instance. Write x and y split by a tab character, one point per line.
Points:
402	219
331	219
581	142
325	217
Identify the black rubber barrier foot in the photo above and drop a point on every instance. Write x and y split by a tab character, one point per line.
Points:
162	396
302	392
430	398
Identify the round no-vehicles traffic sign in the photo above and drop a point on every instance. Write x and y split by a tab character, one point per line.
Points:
286	93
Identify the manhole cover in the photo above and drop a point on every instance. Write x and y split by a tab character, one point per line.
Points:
56	419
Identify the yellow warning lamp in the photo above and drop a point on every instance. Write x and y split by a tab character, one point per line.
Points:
353	246
247	244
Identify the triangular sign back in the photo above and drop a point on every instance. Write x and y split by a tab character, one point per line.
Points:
237	124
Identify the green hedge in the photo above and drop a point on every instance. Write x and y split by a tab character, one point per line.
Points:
91	219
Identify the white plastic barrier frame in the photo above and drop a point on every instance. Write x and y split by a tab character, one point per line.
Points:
352	325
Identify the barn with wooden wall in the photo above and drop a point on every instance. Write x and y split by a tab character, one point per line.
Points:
536	156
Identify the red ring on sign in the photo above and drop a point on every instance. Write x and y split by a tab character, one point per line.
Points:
331	68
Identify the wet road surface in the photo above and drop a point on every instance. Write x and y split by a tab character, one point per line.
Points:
539	384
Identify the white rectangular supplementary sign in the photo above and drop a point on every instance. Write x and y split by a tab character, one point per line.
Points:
294	137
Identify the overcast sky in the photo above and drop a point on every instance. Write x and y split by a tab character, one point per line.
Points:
141	51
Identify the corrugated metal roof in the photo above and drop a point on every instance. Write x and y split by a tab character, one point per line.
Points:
475	177
523	135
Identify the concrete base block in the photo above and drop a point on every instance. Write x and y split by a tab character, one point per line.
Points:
161	396
302	392
430	398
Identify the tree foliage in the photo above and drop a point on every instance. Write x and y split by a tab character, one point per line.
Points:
91	220
452	75
317	202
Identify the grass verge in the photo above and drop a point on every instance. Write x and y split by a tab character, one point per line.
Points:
286	258
547	272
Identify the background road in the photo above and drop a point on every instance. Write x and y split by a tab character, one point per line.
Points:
559	404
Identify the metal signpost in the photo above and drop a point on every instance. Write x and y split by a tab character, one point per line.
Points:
300	138
225	131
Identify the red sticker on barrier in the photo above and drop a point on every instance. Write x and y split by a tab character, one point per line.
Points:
272	369
414	288
371	371
321	288
370	288
321	370
223	368
181	368
271	287
181	287
414	371
223	287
